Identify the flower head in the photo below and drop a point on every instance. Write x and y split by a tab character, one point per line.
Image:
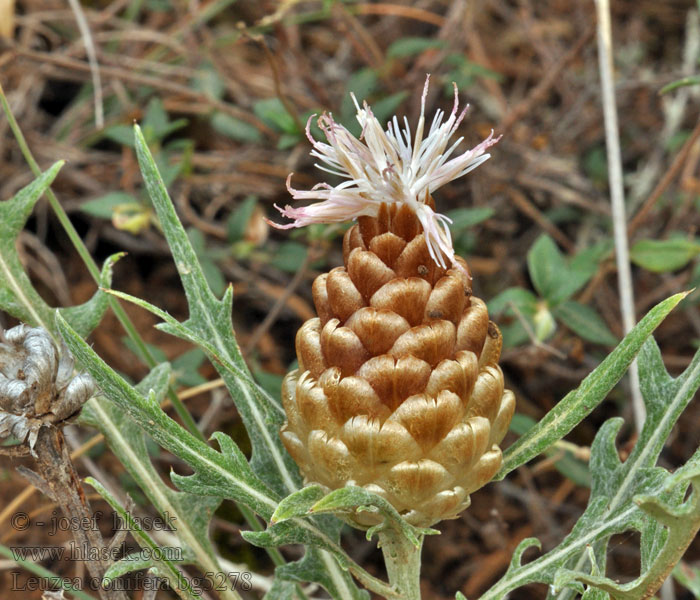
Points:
387	167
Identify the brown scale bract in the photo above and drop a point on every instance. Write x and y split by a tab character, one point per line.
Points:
398	388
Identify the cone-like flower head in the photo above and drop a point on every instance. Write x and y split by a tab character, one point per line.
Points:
398	388
391	167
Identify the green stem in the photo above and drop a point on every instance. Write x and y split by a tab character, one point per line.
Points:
402	560
94	270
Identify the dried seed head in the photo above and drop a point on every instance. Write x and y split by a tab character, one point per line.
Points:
37	387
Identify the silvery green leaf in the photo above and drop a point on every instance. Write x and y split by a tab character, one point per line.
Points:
281	590
358	499
224	474
298	504
594	594
210	327
228	473
129	564
634	495
313	568
189	515
297	531
85	317
578	404
17	295
210	320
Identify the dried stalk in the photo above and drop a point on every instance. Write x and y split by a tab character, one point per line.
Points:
58	479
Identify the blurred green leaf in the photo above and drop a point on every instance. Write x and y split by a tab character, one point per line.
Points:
581	268
547	267
508	304
566	463
103	206
208	81
410	46
465	72
158	354
211	271
595	165
186	368
289	257
273	113
121	134
514	333
661	256
288	140
689	577
270	382
156	123
213	275
557	278
463	218
385	108
521	424
239	219
584	322
362	83
155	118
523	299
236	129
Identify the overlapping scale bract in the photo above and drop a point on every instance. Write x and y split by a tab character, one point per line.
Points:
398	387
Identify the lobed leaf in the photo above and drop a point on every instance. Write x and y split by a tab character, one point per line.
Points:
630	495
578	403
189	515
224	474
210	320
17	294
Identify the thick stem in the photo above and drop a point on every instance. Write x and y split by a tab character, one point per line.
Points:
402	560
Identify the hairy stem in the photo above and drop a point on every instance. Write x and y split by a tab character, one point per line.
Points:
402	560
